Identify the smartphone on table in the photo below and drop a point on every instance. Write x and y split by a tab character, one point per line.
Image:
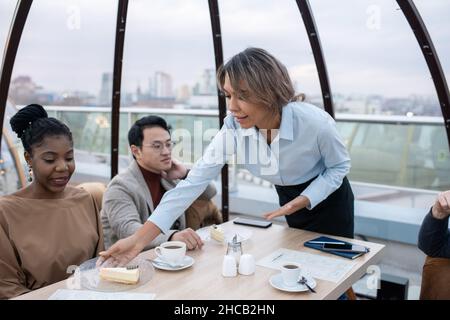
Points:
344	247
252	223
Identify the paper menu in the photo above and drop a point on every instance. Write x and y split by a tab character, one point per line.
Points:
68	294
325	268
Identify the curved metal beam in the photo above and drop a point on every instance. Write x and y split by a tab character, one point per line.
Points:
414	19
9	57
117	81
218	55
15	155
314	40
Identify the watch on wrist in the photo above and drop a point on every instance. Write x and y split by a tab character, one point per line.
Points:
187	172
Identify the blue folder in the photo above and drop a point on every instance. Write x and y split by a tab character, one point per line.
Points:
317	246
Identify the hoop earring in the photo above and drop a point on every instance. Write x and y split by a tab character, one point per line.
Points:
30	174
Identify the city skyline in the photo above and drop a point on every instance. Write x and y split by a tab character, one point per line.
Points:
203	95
63	53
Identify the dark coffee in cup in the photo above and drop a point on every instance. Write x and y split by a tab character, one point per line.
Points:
172	247
290	266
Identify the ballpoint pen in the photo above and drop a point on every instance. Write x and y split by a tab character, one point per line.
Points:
277	257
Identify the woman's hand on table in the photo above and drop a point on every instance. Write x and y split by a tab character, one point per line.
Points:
292	206
120	253
125	250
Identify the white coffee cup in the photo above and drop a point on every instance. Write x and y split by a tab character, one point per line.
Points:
290	272
247	264
171	251
229	266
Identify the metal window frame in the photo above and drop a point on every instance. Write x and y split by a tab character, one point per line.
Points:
218	56
314	40
122	10
9	56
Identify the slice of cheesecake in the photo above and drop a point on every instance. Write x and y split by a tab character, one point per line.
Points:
217	233
122	275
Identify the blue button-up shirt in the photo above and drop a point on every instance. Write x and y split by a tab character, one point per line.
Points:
307	145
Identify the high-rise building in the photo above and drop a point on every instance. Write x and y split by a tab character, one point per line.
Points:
163	85
207	83
183	93
105	95
23	90
151	87
204	93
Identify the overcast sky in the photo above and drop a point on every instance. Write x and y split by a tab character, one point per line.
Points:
368	45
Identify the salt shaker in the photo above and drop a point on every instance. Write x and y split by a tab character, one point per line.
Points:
229	268
234	249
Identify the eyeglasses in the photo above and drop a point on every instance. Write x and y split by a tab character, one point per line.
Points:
159	146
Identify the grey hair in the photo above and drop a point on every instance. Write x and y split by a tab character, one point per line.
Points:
259	77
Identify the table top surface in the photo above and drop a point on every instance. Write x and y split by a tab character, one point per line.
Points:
204	280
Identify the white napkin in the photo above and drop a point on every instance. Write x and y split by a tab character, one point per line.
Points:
68	294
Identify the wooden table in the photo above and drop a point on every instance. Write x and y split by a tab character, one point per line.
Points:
204	279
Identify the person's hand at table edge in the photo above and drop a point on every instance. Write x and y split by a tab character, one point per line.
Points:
125	250
298	203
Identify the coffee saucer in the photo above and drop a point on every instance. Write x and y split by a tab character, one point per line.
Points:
163	265
277	282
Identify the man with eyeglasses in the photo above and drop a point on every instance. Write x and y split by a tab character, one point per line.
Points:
134	194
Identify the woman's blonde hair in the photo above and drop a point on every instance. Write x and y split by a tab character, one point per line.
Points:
259	77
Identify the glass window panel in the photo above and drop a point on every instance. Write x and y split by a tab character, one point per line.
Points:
169	70
277	27
60	64
374	61
6	14
398	158
434	13
169	56
191	130
377	70
61	58
11	171
91	133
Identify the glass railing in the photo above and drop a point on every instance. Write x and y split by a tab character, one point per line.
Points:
388	153
91	127
410	152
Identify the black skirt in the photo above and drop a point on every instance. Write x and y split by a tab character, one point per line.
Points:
333	216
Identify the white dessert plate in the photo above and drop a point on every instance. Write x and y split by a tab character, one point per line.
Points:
242	235
87	276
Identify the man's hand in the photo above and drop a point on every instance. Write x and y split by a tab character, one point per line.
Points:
298	203
188	236
441	208
177	171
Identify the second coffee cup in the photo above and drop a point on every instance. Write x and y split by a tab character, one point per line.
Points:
290	272
171	251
